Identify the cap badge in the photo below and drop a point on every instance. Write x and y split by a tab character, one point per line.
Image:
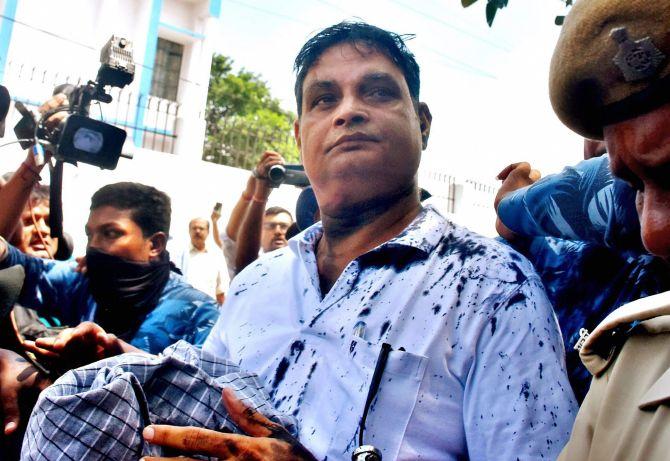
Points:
636	59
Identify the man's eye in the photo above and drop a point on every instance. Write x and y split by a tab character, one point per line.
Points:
323	100
112	234
380	93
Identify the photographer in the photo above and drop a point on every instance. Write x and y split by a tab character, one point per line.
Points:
251	227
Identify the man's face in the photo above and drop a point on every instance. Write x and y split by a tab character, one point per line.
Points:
359	133
274	231
640	154
198	229
31	243
112	231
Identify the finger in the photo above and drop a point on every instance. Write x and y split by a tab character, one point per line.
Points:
44	343
10	407
534	175
507	170
56	101
63	338
195	440
249	420
43	353
110	344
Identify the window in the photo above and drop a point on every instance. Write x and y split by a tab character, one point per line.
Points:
167	67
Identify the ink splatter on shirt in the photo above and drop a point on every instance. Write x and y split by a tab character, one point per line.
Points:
465	316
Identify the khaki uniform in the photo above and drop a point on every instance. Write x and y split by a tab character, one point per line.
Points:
626	414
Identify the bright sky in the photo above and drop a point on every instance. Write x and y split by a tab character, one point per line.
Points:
486	87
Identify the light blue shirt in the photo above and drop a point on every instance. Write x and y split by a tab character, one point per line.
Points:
477	368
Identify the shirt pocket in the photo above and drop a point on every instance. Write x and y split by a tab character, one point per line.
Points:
393	404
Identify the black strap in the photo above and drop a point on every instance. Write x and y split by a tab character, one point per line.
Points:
374	386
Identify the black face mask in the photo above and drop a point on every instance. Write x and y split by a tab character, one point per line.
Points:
125	291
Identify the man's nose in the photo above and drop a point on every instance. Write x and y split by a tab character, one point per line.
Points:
655	221
41	225
351	111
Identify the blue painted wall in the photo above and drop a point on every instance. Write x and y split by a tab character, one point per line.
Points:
147	68
6	28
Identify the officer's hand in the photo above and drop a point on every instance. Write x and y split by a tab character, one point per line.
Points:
514	176
265	440
17	376
74	347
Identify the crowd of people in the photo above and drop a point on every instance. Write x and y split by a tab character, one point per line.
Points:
377	328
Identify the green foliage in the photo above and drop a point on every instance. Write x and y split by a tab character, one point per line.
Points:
243	119
492	7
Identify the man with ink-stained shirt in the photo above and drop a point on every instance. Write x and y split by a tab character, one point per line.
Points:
449	333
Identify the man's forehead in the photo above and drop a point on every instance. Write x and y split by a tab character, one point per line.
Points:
352	56
108	214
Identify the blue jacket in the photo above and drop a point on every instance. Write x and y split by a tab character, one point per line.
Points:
581	231
54	288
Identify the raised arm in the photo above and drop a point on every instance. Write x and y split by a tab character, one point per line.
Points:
249	235
15	194
584	202
240	210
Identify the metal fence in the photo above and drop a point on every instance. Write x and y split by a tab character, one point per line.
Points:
149	119
239	142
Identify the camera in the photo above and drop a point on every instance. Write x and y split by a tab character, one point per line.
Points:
287	174
80	138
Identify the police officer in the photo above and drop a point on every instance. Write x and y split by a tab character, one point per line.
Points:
610	79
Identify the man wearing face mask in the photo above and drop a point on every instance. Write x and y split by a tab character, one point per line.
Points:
128	289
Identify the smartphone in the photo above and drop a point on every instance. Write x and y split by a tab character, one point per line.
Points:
218	207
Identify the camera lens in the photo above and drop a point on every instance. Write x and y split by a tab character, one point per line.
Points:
276	173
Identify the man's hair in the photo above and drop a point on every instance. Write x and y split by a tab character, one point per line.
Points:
356	33
198	219
149	207
275	210
40	193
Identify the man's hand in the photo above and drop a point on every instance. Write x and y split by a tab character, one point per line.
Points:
514	176
76	347
265	440
267	160
58	101
216	215
17	376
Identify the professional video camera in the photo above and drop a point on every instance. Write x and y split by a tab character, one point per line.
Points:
288	174
80	138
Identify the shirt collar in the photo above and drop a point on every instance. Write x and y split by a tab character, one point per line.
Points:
195	250
423	233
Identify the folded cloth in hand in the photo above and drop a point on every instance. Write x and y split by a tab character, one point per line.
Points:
98	412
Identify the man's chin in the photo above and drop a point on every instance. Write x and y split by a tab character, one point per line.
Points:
275	245
39	253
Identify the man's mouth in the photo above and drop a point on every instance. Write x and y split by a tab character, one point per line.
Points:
352	140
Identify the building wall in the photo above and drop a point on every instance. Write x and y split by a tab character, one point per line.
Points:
62	39
53	42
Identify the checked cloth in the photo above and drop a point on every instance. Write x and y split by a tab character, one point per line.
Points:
98	412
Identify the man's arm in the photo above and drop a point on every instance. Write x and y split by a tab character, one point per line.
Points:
264	440
583	202
240	210
15	194
17	376
51	287
518	403
249	235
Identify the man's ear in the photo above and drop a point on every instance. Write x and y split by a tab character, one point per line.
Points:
158	244
425	119
296	133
